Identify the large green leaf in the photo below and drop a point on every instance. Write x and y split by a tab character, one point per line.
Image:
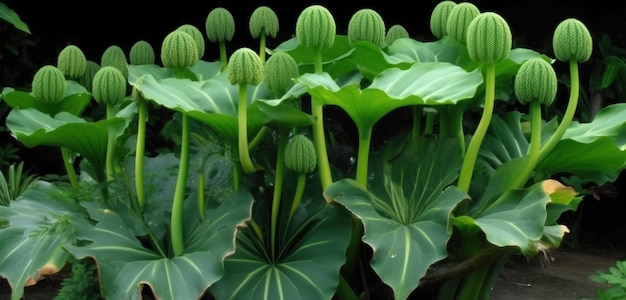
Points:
12	17
75	100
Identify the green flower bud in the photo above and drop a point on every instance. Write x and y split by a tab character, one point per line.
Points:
264	20
489	38
142	53
91	69
536	81
439	18
279	71
72	62
572	41
367	25
49	84
245	67
300	155
461	15
396	32
220	25
316	27
179	50
114	56
197	37
109	85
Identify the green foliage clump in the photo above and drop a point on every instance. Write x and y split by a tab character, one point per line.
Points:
536	81
141	53
86	80
459	18
220	25
439	18
279	72
488	38
49	84
114	56
572	41
263	20
300	155
616	278
245	67
179	50
196	35
83	284
367	25
395	32
72	61
316	27
109	85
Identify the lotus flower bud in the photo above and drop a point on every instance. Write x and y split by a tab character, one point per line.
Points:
316	27
536	81
572	41
179	50
49	84
142	53
439	18
91	69
220	25
72	62
367	25
109	85
245	67
279	71
115	56
300	155
263	19
197	37
461	15
396	32
489	38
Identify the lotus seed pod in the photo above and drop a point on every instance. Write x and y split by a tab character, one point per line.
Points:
439	18
142	53
109	85
279	72
367	25
316	27
72	62
572	41
91	69
300	155
197	37
179	50
263	20
459	18
396	32
536	81
220	25
49	84
114	56
245	67
489	38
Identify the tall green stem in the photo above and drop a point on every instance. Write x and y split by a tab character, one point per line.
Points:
278	186
417	121
262	41
110	164
242	118
223	55
139	152
179	193
365	138
317	110
298	194
535	143
69	167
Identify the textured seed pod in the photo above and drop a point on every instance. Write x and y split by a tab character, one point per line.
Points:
114	56
91	69
536	81
245	67
489	38
316	27
263	19
49	84
300	155
142	53
439	18
72	61
279	71
197	37
367	25
220	25
395	32
179	50
461	15
572	41
109	85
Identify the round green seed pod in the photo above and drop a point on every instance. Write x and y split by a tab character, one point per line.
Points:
114	56
459	18
439	18
367	25
279	71
536	81
197	37
179	50
316	27
245	67
220	25
142	53
488	38
300	155
572	41
109	85
263	20
72	61
49	84
395	32
91	69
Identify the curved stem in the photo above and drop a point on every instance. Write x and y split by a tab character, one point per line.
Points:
365	138
298	195
223	56
317	110
139	152
278	186
258	138
535	143
242	118
179	194
110	166
69	167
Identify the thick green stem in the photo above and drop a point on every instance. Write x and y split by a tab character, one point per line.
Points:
430	121
317	110
110	164
262	41
69	167
201	196
258	138
417	121
223	55
180	191
365	139
139	152
298	194
535	143
278	186
242	118
465	176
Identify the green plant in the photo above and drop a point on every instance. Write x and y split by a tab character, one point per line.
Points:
616	278
14	183
82	283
